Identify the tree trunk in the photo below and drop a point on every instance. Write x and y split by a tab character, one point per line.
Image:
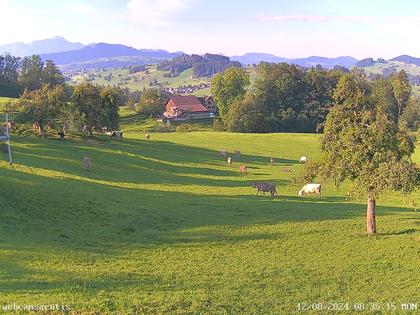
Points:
370	216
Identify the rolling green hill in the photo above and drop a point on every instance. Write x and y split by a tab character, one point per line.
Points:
140	80
166	226
378	68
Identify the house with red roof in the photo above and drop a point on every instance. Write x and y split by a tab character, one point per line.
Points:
185	107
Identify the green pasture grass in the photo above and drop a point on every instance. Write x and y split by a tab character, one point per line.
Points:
118	75
166	226
4	101
377	68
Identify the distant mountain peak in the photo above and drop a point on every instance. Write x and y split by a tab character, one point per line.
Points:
407	59
43	46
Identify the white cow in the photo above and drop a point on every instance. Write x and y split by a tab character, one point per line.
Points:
303	159
229	160
310	188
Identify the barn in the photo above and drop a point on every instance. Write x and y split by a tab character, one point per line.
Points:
185	107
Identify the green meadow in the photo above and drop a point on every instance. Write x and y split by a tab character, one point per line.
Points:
166	226
4	101
119	76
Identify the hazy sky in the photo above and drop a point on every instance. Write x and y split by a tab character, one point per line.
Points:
289	28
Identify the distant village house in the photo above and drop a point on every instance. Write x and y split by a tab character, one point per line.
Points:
208	103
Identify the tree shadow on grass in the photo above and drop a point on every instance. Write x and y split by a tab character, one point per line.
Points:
113	164
75	214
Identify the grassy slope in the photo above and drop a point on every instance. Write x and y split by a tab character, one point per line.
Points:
183	79
166	226
4	101
378	67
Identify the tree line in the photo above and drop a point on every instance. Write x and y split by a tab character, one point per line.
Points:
46	99
28	73
203	66
288	98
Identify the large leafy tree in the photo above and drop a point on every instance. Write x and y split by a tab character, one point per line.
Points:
402	92
51	74
229	87
95	106
9	66
31	72
362	143
43	105
151	103
280	87
319	98
246	115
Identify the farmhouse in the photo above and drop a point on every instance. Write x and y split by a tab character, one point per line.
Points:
208	102
185	107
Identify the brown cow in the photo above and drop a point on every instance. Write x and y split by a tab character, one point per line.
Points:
266	187
242	169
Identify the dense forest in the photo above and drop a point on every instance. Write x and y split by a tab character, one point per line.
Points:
203	66
288	98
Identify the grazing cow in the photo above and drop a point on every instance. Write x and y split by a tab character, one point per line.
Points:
35	127
303	159
48	126
229	160
272	161
266	187
242	169
310	189
286	169
11	125
147	137
223	153
87	162
237	153
117	134
61	134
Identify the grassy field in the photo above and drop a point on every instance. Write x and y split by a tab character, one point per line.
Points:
378	68
4	101
165	226
143	79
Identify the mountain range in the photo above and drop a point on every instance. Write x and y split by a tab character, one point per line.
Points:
255	58
71	56
104	55
52	45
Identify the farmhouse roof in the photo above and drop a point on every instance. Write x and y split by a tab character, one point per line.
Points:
188	103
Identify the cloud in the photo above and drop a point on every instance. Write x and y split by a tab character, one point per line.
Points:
340	18
155	12
293	17
78	7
